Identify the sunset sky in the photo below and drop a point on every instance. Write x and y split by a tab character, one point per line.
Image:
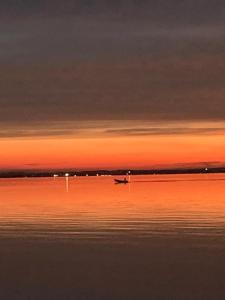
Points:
112	84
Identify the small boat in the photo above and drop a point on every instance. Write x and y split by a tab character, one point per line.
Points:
121	180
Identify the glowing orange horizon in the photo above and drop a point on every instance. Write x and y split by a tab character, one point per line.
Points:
113	152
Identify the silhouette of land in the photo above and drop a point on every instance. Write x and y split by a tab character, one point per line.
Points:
72	172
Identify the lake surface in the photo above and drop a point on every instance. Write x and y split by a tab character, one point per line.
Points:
158	237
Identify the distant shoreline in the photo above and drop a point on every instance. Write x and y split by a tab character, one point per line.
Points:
123	172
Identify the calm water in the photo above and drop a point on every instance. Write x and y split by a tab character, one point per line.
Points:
159	237
96	208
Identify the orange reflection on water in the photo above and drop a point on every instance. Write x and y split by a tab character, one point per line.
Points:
96	206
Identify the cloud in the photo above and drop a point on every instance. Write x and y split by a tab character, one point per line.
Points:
110	60
26	133
185	11
105	129
191	165
165	89
165	131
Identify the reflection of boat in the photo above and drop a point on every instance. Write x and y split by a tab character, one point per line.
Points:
121	180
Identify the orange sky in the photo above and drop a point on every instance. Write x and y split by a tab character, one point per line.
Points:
127	84
110	152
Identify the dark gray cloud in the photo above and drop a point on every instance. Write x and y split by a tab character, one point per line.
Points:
85	39
169	11
65	61
170	89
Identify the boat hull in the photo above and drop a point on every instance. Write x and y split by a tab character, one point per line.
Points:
124	181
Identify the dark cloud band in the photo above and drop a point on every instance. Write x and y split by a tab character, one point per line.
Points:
110	129
66	61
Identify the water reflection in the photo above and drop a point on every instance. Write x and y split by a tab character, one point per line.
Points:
67	183
95	208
